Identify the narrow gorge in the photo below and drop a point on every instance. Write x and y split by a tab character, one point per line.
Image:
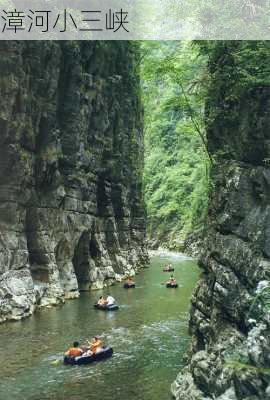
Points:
71	159
99	139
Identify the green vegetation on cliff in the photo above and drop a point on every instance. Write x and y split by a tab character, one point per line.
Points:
176	161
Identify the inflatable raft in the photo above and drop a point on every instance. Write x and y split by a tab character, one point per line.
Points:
106	352
129	285
168	270
172	285
113	307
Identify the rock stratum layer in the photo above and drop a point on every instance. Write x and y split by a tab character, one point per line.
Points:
71	158
229	358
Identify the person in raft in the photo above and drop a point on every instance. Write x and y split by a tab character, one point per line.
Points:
101	301
74	351
168	266
130	281
95	346
110	301
172	280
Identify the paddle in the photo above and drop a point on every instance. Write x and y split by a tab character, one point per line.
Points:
55	363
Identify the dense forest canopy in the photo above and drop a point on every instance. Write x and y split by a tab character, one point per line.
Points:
176	161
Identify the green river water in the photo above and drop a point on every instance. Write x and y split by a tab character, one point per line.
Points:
148	334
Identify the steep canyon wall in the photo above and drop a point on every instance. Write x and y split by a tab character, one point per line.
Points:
71	158
229	357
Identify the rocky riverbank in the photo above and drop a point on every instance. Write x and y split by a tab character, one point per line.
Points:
71	159
192	245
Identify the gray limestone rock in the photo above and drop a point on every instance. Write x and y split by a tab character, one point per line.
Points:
229	319
71	158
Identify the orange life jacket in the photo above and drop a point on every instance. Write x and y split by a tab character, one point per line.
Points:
96	345
74	352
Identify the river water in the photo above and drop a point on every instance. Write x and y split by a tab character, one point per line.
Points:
148	334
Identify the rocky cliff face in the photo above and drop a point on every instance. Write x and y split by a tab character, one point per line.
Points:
229	357
71	156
